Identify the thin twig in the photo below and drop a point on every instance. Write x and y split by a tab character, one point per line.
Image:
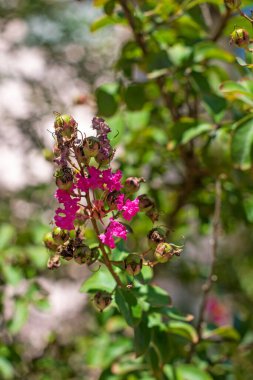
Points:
212	277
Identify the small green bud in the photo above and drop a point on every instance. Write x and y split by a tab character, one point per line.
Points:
91	146
240	37
67	125
133	264
102	300
164	252
49	242
59	235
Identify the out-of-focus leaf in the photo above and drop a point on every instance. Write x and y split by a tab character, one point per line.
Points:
209	50
7	233
107	102
6	369
179	54
105	21
100	280
183	329
241	149
128	306
224	332
188	4
238	90
186	372
155	295
215	106
134	96
20	316
142	336
13	275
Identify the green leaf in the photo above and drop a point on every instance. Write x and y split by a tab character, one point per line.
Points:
107	101
183	329
142	336
186	372
238	90
215	106
128	306
225	332
155	295
195	131
135	97
241	148
209	50
105	21
100	280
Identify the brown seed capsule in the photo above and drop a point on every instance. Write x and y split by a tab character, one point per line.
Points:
153	214
102	300
64	178
145	203
156	235
54	262
112	200
133	264
132	184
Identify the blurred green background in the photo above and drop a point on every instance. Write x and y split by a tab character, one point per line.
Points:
51	61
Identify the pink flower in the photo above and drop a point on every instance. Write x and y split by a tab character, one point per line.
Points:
129	208
112	180
65	217
114	229
100	179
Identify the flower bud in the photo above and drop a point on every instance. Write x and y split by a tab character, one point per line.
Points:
49	242
59	235
133	264
163	252
156	236
54	262
82	254
132	184
233	4
67	125
64	178
48	154
240	37
91	146
145	203
102	300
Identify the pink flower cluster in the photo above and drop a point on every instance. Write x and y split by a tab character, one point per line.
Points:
116	229
64	218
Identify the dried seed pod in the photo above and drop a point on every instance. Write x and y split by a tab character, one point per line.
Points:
54	262
156	235
82	254
64	178
91	146
133	264
59	235
132	184
145	202
66	125
102	300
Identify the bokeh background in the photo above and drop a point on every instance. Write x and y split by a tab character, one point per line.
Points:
52	62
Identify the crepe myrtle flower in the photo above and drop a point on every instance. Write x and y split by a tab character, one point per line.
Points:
93	195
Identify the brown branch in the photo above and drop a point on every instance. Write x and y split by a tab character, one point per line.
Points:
101	246
212	277
222	25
